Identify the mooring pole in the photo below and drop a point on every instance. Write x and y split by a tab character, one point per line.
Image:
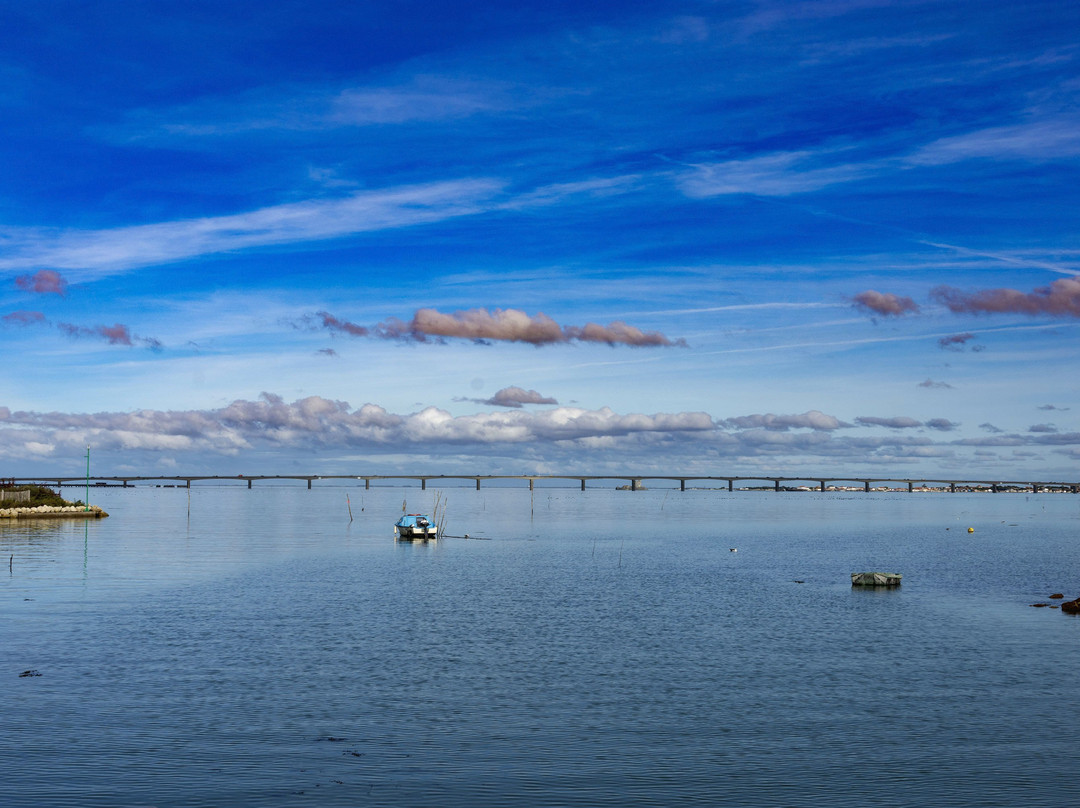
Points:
86	505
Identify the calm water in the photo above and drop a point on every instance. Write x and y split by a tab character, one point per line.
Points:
601	648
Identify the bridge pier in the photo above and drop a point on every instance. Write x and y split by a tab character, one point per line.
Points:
910	487
730	485
249	483
682	485
775	485
634	484
187	483
531	481
309	483
821	485
866	486
477	483
423	483
1035	488
367	484
952	488
583	485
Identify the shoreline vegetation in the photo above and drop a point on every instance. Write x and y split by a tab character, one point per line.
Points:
41	502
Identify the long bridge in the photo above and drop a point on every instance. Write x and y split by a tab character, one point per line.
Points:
633	482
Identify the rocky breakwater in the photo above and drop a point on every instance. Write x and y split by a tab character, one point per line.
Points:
53	512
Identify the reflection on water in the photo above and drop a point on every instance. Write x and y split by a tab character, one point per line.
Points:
602	648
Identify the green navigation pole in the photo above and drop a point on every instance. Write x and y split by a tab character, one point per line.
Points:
86	503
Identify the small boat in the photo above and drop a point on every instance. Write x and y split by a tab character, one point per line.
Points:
415	526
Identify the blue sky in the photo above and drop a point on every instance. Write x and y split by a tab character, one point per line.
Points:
664	237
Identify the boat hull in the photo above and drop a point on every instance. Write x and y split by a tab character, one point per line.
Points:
417	533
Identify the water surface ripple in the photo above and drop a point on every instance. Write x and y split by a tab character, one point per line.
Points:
601	648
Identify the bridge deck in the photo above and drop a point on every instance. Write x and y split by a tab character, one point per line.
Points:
633	481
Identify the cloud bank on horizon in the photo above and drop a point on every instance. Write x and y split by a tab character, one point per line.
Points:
234	434
856	225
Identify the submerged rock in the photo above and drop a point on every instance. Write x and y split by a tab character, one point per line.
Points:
1071	606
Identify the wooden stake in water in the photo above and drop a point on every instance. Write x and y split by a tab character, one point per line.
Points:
86	506
350	506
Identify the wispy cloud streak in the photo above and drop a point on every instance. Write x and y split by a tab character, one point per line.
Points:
103	251
117	334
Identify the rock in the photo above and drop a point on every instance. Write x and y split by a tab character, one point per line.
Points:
875	579
1039	605
1056	596
1071	606
29	673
